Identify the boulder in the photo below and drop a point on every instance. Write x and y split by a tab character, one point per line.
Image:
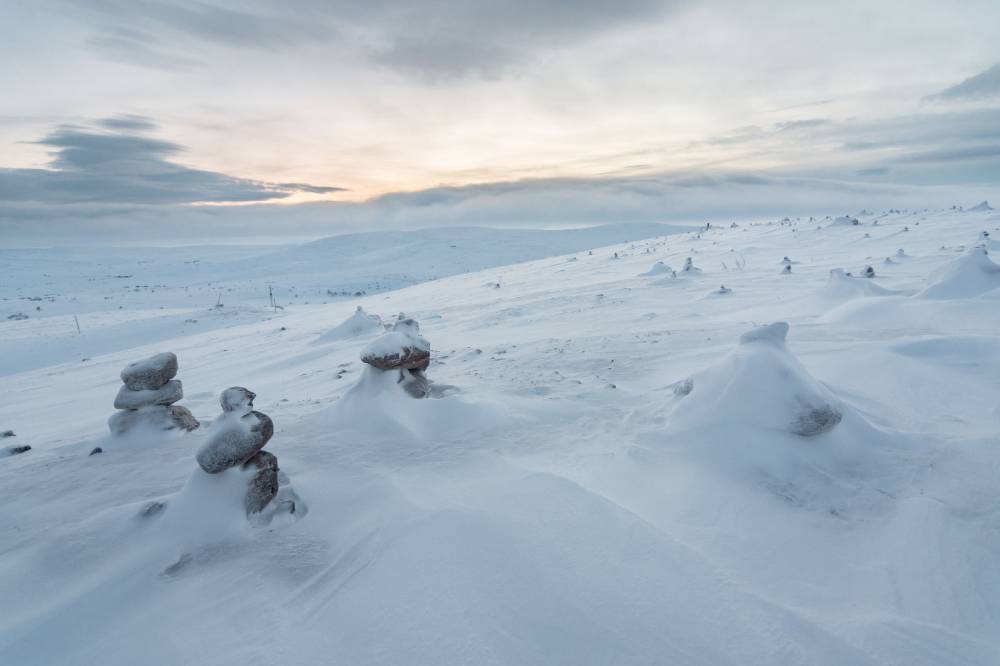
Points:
237	399
235	441
14	450
167	394
182	418
157	417
264	485
150	373
402	348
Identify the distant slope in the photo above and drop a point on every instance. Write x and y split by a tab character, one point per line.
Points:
384	260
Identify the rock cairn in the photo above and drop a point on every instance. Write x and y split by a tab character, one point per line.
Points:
148	395
236	441
404	351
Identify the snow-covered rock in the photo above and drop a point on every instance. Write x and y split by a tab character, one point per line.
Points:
167	394
150	373
233	440
401	348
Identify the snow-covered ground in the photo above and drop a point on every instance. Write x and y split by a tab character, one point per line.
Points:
619	466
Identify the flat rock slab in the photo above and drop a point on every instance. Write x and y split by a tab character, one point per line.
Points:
150	373
167	394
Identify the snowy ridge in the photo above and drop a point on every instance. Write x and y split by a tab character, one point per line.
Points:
801	471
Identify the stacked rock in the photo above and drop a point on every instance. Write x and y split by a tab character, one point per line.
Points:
237	439
405	351
148	396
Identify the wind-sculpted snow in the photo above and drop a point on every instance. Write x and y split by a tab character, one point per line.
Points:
357	325
969	275
598	469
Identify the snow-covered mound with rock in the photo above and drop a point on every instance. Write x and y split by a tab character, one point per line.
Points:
359	324
969	275
581	466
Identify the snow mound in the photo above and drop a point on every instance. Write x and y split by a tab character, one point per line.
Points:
379	409
981	207
760	416
762	386
845	221
659	268
841	287
358	324
971	274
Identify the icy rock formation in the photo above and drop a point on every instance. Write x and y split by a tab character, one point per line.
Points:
868	272
787	269
236	440
969	275
689	266
148	395
405	351
237	435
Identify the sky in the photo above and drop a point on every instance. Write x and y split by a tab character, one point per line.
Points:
160	118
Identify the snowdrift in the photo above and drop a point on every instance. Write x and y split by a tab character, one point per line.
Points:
970	275
358	324
842	287
758	414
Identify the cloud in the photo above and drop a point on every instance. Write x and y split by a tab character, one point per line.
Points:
435	40
985	85
117	164
553	202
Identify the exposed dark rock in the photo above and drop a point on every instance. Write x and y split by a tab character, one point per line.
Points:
14	450
151	509
7	433
415	383
264	485
95	451
407	358
814	421
150	373
167	394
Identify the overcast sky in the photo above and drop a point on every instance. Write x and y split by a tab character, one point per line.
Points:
478	111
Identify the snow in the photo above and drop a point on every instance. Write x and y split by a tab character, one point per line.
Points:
802	471
358	324
971	274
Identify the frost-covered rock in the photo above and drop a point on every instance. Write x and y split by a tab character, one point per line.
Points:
237	399
234	440
689	266
786	269
867	272
150	373
263	487
167	394
402	348
148	395
969	275
153	417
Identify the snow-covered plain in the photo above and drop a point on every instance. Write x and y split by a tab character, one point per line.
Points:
625	470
